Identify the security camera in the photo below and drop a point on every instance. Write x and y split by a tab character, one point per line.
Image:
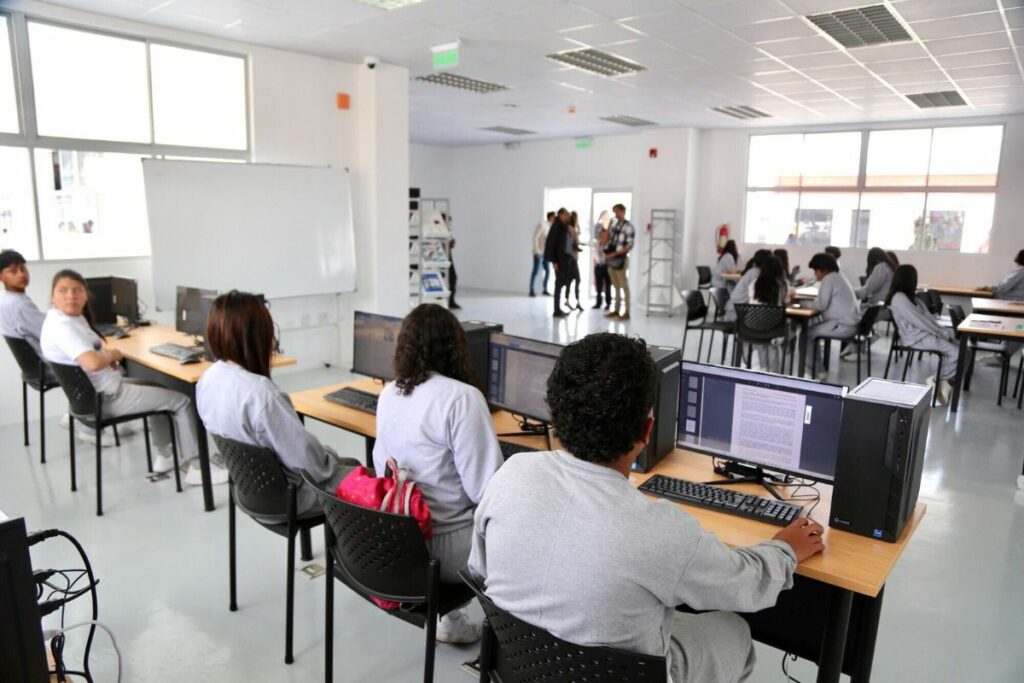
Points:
371	62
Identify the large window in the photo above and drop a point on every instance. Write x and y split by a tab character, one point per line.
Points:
8	99
929	189
17	213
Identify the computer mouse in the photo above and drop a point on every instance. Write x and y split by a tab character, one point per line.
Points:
120	334
192	358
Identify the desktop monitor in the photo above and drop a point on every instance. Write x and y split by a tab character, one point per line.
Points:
375	339
110	297
22	654
775	422
517	375
192	309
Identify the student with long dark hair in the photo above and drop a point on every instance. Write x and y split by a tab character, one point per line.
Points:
741	292
728	262
68	338
237	399
919	329
436	424
770	289
879	277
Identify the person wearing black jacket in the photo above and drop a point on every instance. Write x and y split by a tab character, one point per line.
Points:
556	252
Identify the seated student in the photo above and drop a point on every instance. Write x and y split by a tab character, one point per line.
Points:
894	260
727	263
919	329
237	399
741	292
835	253
564	541
771	289
879	278
783	257
68	338
1011	286
840	312
433	421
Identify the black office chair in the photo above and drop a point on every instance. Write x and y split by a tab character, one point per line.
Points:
760	324
703	277
258	484
957	316
86	405
696	309
720	298
378	554
932	301
33	374
897	347
514	651
860	338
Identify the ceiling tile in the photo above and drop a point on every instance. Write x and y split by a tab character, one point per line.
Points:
903	77
1008	69
601	34
507	7
1015	17
499	29
798	46
952	46
625	9
670	24
888	53
444	12
785	76
330	11
832	57
778	29
739	12
971	24
919	10
902	66
559	17
738	54
977	58
990	81
837	72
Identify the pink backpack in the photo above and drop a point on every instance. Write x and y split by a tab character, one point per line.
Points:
395	494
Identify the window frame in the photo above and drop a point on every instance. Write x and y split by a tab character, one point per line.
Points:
862	188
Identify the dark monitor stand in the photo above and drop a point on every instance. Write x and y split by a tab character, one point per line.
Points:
745	474
530	428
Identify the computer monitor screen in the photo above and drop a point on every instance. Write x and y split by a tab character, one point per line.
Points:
517	374
125	299
110	297
374	344
192	309
780	423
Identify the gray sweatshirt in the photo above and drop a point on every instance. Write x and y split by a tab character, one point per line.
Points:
572	547
876	287
250	408
914	321
19	318
726	264
836	300
1012	286
741	292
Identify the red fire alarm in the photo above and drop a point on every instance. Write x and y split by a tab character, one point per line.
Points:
652	153
342	100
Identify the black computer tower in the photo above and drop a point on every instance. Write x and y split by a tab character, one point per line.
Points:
111	296
668	362
478	334
22	654
881	454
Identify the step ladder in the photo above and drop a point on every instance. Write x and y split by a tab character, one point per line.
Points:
662	296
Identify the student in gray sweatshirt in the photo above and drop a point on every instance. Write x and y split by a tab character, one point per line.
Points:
741	292
879	278
840	312
564	541
1011	286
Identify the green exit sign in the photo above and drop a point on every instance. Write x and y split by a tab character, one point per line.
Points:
445	56
583	143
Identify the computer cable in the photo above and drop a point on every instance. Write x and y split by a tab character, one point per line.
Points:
786	658
92	623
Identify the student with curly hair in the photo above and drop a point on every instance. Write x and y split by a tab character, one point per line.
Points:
564	541
433	421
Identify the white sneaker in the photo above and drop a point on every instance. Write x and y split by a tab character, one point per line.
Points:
162	463
1020	481
64	422
194	476
455	627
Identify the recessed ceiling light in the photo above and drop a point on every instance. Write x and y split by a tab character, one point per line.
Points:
741	111
509	131
597	62
872	25
931	100
630	121
389	4
462	83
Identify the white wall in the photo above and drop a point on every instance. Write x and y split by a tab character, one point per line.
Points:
430	169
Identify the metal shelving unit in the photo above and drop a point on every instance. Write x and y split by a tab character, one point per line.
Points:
663	297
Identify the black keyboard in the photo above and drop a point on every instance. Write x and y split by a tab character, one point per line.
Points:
722	499
509	449
176	351
108	330
354	398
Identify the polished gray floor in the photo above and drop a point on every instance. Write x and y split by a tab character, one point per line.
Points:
953	607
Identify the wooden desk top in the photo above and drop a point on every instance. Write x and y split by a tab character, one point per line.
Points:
806	292
993	326
849	561
136	347
1004	307
732	277
955	290
803	311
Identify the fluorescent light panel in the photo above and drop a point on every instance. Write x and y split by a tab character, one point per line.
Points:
462	83
741	111
509	131
630	121
862	26
597	62
389	4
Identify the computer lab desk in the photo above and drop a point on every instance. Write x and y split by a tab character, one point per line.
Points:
979	326
831	614
143	364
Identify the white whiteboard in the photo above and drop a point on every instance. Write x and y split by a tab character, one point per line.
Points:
276	230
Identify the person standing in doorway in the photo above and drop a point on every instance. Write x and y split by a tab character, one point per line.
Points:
453	277
574	265
540	236
620	243
602	284
556	252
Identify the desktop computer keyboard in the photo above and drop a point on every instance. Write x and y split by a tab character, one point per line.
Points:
724	500
108	330
354	398
177	351
509	449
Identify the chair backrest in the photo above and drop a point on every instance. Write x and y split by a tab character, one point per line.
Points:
27	358
381	554
258	481
77	387
868	320
933	301
696	308
523	653
759	322
956	315
720	296
703	276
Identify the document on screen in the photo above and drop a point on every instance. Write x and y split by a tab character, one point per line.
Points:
768	426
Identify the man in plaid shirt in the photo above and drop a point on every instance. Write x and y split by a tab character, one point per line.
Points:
620	243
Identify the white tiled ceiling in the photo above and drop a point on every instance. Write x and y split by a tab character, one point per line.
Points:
697	54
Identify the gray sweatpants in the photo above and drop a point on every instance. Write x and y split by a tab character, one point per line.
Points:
451	549
950	354
831	328
135	396
714	646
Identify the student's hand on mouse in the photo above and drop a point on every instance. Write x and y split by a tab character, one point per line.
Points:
804	537
115	356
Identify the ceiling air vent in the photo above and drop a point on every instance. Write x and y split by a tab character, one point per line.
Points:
931	100
462	83
509	131
741	111
630	121
597	62
873	25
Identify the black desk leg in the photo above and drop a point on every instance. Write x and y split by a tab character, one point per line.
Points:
802	347
833	642
870	612
368	455
954	403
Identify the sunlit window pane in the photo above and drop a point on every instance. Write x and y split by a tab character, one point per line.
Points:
17	211
967	156
892	220
8	100
91	204
89	85
830	160
774	161
771	217
898	158
198	98
958	222
826	218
